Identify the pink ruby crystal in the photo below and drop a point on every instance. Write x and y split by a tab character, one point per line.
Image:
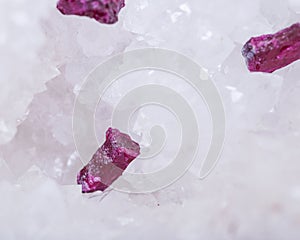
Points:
268	53
104	11
109	162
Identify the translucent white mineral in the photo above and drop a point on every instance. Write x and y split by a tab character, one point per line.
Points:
254	191
294	5
23	69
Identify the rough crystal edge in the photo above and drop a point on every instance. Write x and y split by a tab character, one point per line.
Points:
103	11
270	52
120	156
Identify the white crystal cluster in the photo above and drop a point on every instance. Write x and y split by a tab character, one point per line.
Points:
254	191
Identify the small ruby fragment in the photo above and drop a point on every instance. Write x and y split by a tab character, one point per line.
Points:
109	162
270	52
104	11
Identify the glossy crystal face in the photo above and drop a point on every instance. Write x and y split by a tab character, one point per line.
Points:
109	162
268	53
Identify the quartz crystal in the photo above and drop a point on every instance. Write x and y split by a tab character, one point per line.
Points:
254	189
268	53
104	11
109	162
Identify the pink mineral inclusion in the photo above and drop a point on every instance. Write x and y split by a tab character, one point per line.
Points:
268	53
104	11
109	162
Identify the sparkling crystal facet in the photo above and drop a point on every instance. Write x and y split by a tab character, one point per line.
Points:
109	162
268	53
104	11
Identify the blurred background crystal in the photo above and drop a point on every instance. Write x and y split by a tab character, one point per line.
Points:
253	193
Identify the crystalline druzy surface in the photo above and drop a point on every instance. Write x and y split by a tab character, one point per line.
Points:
104	11
268	53
109	162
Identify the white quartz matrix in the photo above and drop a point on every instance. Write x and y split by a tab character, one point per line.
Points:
253	193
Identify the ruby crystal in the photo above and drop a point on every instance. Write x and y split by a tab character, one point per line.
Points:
104	11
268	53
109	162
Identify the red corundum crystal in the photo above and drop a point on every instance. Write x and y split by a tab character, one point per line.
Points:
268	53
104	11
109	162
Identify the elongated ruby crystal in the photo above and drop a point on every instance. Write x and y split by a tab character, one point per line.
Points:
109	162
268	53
104	11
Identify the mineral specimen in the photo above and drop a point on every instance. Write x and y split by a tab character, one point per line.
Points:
104	11
268	53
109	162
